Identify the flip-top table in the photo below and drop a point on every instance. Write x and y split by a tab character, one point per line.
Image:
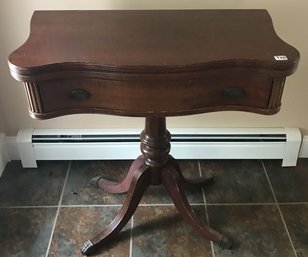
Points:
152	64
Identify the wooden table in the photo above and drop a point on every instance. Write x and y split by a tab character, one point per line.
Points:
152	64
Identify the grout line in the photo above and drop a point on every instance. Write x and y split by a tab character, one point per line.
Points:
89	205
29	207
155	204
196	204
143	204
290	203
203	192
167	204
238	204
278	207
212	248
58	210
203	195
131	237
205	208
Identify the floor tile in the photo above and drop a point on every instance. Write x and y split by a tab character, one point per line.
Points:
25	232
36	187
78	190
296	219
78	224
161	232
256	231
238	181
289	183
158	194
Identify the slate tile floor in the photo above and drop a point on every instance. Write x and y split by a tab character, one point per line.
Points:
50	211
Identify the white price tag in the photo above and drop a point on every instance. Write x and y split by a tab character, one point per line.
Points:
280	58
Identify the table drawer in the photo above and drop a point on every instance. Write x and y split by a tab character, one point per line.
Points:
210	93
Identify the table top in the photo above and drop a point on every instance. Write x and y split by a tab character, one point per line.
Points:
147	41
152	62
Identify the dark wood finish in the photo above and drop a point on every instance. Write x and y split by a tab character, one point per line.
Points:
141	99
152	64
123	58
155	167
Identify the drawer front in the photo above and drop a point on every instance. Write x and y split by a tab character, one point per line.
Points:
247	92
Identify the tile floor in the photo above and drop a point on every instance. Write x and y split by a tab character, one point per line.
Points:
52	210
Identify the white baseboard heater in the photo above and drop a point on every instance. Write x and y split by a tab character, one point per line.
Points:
117	144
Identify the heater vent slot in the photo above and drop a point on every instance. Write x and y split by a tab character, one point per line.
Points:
175	138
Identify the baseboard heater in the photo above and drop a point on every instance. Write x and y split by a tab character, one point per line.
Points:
121	144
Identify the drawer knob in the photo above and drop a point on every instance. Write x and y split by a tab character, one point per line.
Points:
79	94
234	92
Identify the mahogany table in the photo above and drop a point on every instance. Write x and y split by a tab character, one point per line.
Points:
152	64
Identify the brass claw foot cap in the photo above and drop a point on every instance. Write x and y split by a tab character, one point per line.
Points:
94	181
87	248
211	178
225	243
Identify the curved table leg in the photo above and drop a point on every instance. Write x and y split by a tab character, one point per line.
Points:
140	181
173	183
118	187
190	184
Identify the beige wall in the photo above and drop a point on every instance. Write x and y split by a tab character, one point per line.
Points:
1	120
290	20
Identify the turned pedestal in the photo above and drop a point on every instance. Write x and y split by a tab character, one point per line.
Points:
154	167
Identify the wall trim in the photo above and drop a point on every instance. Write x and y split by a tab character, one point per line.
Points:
4	158
304	148
12	149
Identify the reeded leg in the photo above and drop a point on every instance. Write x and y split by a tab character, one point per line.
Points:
118	187
190	184
140	181
174	185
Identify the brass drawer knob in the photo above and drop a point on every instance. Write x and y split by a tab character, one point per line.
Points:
234	92
80	94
